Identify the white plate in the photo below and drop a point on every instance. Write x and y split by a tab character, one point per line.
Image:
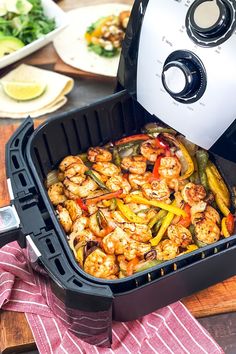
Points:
52	11
71	46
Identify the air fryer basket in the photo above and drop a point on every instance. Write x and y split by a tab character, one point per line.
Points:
30	155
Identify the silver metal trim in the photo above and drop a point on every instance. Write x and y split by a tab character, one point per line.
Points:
10	190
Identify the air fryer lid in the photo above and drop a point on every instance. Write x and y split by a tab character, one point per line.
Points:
178	59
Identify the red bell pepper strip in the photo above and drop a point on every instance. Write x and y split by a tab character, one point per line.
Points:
131	138
155	171
186	222
105	196
82	204
230	223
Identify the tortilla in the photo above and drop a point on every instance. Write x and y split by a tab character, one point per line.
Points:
53	98
71	45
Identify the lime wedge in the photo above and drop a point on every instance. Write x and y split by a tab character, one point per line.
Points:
23	91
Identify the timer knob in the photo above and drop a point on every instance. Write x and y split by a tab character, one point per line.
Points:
209	19
183	76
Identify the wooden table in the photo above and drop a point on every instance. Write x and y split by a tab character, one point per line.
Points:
15	334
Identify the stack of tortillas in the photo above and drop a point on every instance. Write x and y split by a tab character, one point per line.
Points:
53	97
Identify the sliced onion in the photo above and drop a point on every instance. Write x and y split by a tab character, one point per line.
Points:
52	178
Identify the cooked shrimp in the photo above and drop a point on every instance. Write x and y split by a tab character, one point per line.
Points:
75	169
56	193
118	182
180	235
150	150
137	181
115	242
193	193
80	224
169	168
166	250
64	218
82	190
73	209
101	265
96	154
136	249
134	164
157	189
67	161
212	214
97	230
78	179
206	231
106	168
138	232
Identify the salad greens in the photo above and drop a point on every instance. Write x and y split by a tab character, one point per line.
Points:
24	19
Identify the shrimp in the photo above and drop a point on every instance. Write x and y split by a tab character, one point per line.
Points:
212	214
80	232
136	249
115	242
180	235
138	232
73	209
150	150
166	250
69	160
64	218
96	229
206	231
134	164
106	168
101	265
193	193
157	189
169	168
137	181
116	183
82	190
75	169
56	193
96	154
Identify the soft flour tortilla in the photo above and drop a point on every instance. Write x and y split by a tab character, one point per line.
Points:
71	46
53	98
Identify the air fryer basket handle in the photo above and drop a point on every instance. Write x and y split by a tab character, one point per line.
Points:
9	225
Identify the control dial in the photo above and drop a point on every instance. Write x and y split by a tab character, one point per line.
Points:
184	77
211	22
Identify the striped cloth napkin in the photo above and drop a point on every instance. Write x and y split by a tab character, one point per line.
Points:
169	330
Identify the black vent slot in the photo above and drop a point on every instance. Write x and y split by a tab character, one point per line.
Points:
77	282
15	161
50	245
60	269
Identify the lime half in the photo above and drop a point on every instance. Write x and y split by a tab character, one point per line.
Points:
23	91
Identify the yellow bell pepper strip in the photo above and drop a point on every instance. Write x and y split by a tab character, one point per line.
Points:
128	213
220	181
166	223
185	153
221	205
216	188
190	248
156	218
169	207
224	230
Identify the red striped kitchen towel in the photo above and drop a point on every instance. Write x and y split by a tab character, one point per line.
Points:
169	330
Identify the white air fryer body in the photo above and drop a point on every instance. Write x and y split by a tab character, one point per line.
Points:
163	32
179	60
